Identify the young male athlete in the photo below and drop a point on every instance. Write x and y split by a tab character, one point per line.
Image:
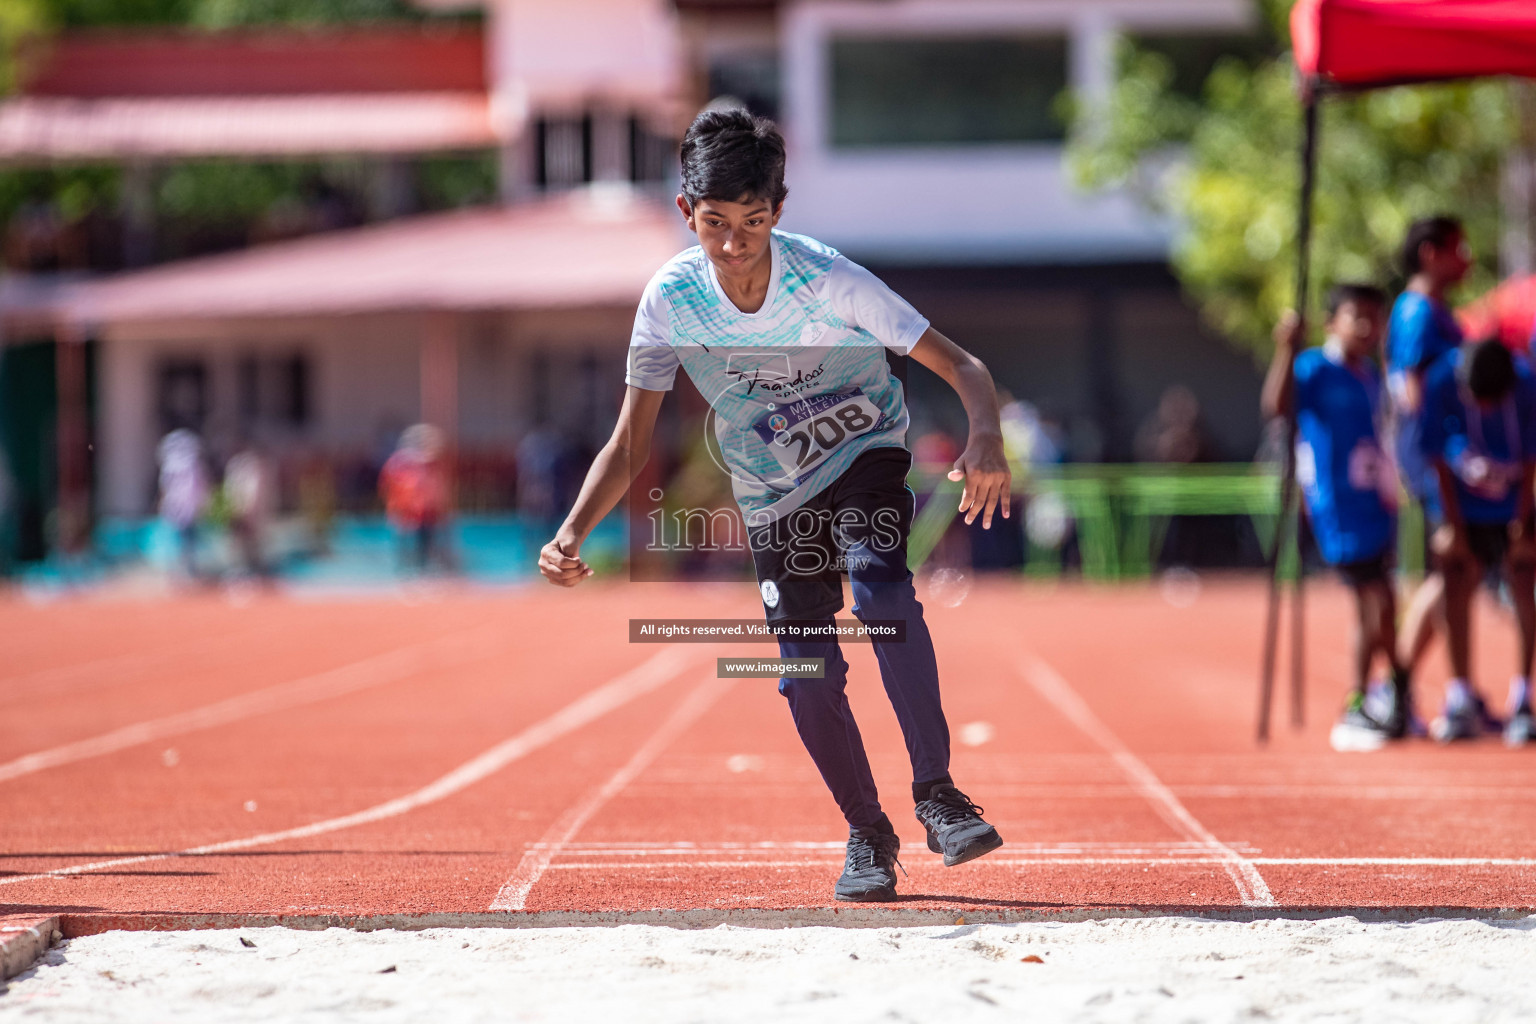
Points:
1436	257
1349	486
1479	434
786	338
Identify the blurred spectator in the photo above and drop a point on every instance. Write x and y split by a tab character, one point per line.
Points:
935	448
541	461
1024	441
414	485
1174	433
317	499
1029	438
184	491
7	497
250	489
1036	440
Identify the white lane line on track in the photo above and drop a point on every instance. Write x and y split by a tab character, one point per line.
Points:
684	849
377	670
995	861
514	893
108	669
1251	887
610	696
1418	794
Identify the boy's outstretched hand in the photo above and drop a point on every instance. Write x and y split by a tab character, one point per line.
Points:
1290	333
988	480
561	564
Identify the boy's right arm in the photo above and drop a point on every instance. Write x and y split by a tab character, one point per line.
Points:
1450	540
614	469
1280	382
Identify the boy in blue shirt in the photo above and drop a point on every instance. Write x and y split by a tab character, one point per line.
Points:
1436	257
1348	485
1478	433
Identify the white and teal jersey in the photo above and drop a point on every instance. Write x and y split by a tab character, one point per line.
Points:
798	389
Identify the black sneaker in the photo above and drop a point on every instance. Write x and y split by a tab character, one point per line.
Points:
869	871
954	826
1397	721
1357	730
1466	720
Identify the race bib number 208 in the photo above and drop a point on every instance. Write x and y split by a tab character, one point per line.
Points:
803	433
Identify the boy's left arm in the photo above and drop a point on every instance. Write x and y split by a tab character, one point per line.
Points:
1522	532
983	465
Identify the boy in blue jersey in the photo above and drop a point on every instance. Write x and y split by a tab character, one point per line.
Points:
1349	486
1479	435
786	339
1436	257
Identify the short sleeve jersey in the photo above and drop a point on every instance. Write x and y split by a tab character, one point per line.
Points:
1421	331
798	389
1345	476
1485	448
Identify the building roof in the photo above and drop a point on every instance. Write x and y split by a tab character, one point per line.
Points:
47	129
97	65
30	304
163	95
594	248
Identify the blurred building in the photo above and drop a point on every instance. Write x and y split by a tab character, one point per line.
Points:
926	140
490	322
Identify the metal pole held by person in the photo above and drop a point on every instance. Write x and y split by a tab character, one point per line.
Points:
1288	459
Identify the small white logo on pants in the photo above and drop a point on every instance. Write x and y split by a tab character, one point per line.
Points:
770	594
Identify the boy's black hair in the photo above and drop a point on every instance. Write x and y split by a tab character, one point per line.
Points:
729	155
1487	370
1352	291
1437	231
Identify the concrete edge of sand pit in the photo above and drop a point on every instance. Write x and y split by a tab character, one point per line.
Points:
76	925
23	941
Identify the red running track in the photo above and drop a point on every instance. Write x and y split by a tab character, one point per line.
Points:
198	761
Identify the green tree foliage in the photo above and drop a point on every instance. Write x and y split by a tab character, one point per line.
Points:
215	14
1224	166
20	21
225	14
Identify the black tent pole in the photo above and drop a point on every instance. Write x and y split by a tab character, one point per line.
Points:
1288	459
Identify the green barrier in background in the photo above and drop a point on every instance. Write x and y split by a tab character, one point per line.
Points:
1122	512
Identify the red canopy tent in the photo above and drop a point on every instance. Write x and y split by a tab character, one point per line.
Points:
1507	313
1350	45
1366	44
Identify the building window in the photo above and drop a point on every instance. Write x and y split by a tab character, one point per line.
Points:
565	151
652	157
950	91
273	392
750	78
572	151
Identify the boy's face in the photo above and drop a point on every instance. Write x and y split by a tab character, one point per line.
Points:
1447	263
1359	326
735	235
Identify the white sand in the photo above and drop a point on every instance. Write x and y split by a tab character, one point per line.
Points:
1165	969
